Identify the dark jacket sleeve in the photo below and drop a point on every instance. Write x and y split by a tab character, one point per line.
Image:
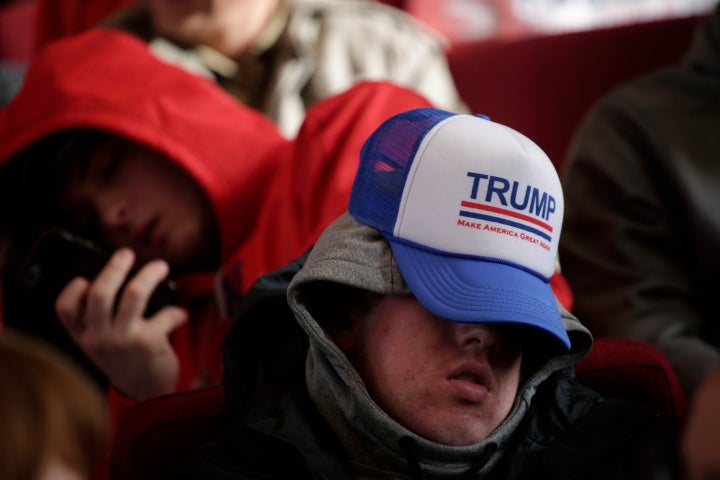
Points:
637	243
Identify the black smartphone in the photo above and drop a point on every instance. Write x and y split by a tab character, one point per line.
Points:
58	256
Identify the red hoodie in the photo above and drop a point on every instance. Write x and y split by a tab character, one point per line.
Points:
272	197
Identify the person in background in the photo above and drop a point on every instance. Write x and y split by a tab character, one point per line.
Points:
53	416
642	226
174	180
282	56
433	344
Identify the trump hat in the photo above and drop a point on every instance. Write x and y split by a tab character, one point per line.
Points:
472	211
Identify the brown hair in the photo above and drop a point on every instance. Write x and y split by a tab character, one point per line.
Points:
48	410
32	179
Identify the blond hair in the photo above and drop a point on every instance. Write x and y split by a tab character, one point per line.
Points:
49	411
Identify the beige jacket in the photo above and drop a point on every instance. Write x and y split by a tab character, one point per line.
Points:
325	47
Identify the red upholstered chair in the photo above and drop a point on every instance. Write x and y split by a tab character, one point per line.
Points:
635	371
59	18
156	435
542	86
17	32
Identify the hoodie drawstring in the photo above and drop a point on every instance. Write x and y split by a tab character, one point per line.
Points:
409	445
479	462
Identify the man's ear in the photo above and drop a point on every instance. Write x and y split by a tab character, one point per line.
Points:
346	338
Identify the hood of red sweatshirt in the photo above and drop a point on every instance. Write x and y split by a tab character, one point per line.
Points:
110	81
314	188
272	197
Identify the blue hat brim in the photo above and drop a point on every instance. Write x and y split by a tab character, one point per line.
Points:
472	290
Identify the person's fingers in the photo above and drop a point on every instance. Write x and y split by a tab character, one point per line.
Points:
168	319
70	305
104	289
137	292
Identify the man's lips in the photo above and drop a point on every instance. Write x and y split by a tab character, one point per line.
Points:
471	382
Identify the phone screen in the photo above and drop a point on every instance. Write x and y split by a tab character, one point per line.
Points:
58	256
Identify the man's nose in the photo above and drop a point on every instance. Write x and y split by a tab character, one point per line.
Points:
112	211
477	335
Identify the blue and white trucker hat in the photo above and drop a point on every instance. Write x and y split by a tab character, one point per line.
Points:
472	211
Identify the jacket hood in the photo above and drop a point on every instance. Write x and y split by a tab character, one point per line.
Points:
356	255
110	81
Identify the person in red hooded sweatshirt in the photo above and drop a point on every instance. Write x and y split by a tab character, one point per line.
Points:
178	181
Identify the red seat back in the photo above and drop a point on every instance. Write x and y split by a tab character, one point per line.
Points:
542	86
60	18
17	31
635	371
156	435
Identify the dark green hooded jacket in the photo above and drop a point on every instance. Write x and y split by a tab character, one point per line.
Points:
302	410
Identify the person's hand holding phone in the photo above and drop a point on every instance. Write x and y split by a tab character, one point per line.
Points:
133	351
